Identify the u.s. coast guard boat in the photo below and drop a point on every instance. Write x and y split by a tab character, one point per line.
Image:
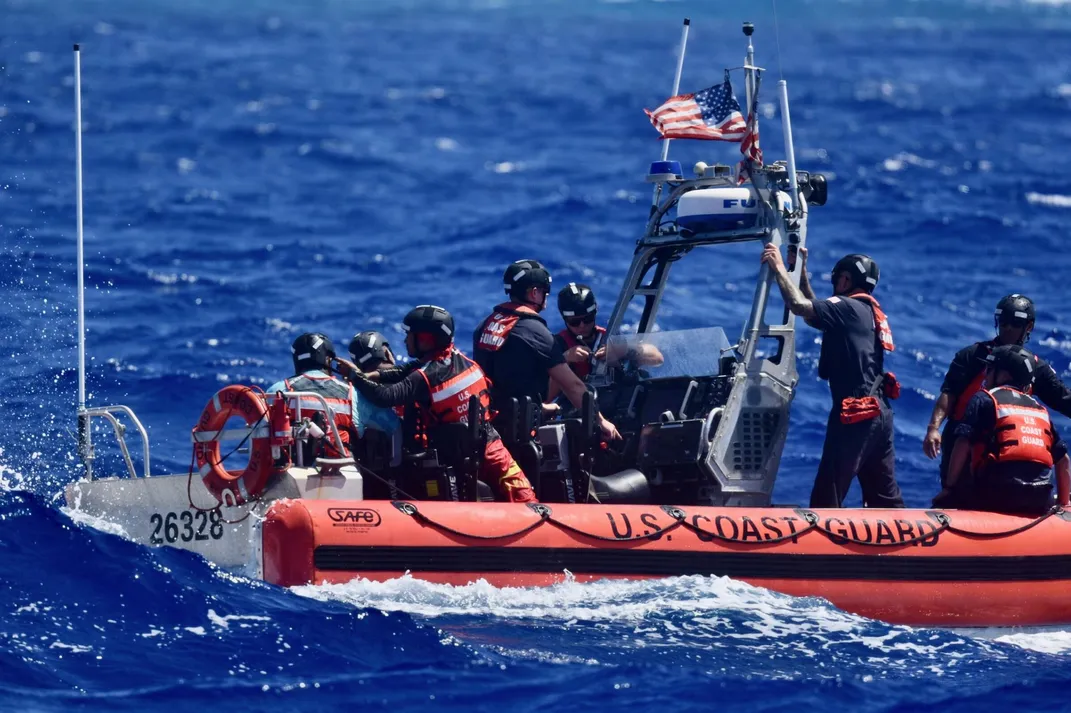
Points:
687	490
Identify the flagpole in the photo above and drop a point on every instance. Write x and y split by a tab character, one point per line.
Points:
790	152
676	88
749	63
677	77
85	447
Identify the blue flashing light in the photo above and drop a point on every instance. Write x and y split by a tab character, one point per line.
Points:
666	168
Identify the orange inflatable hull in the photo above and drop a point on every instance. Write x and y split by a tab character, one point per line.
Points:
916	567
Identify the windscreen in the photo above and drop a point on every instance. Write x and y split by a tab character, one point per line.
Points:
662	355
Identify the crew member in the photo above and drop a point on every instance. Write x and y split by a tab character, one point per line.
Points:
515	348
1014	321
313	354
1006	445
855	337
439	388
578	341
370	351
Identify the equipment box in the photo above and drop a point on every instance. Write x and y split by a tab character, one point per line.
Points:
672	443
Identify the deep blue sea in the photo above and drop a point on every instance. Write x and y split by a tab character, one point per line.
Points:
261	168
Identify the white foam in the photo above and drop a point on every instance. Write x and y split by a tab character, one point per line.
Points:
1051	200
95	521
1047	642
615	600
73	648
689	611
1043	639
10	479
224	621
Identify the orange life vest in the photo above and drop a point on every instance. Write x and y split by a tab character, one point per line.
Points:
881	322
583	368
452	379
864	408
338	396
1023	431
494	330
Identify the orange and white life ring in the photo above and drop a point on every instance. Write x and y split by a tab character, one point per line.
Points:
233	487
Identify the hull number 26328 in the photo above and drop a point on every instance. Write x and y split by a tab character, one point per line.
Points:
185	526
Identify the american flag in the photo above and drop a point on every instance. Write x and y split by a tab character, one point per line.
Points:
712	114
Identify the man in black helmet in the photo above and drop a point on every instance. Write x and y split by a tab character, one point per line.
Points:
516	349
313	353
1006	444
371	351
578	308
855	337
1013	320
439	388
578	341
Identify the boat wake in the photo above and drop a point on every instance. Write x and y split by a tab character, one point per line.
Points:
692	619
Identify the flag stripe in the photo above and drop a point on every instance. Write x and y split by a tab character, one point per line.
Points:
712	114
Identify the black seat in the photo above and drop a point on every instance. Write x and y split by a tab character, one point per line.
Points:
625	487
516	422
374	450
570	484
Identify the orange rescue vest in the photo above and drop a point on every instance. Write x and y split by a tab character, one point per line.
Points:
338	396
452	380
1023	431
881	322
855	410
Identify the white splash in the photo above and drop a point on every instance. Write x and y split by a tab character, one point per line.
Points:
1051	200
95	521
223	622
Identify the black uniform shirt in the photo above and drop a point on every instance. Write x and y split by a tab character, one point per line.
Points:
851	358
520	367
969	362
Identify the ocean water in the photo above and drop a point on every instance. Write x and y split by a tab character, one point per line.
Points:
256	170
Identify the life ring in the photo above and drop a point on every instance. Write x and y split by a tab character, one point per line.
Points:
233	487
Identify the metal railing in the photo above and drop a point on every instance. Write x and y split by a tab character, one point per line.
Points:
108	413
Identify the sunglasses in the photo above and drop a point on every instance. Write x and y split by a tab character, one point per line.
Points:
580	321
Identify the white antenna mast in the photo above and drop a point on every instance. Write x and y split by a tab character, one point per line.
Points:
85	446
676	89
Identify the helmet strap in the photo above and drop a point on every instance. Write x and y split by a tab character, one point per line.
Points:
537	306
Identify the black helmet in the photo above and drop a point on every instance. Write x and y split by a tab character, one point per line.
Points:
369	349
523	275
431	320
861	268
576	300
1016	310
1018	362
312	351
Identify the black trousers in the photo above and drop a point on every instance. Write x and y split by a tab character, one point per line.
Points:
863	449
948	441
1010	488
